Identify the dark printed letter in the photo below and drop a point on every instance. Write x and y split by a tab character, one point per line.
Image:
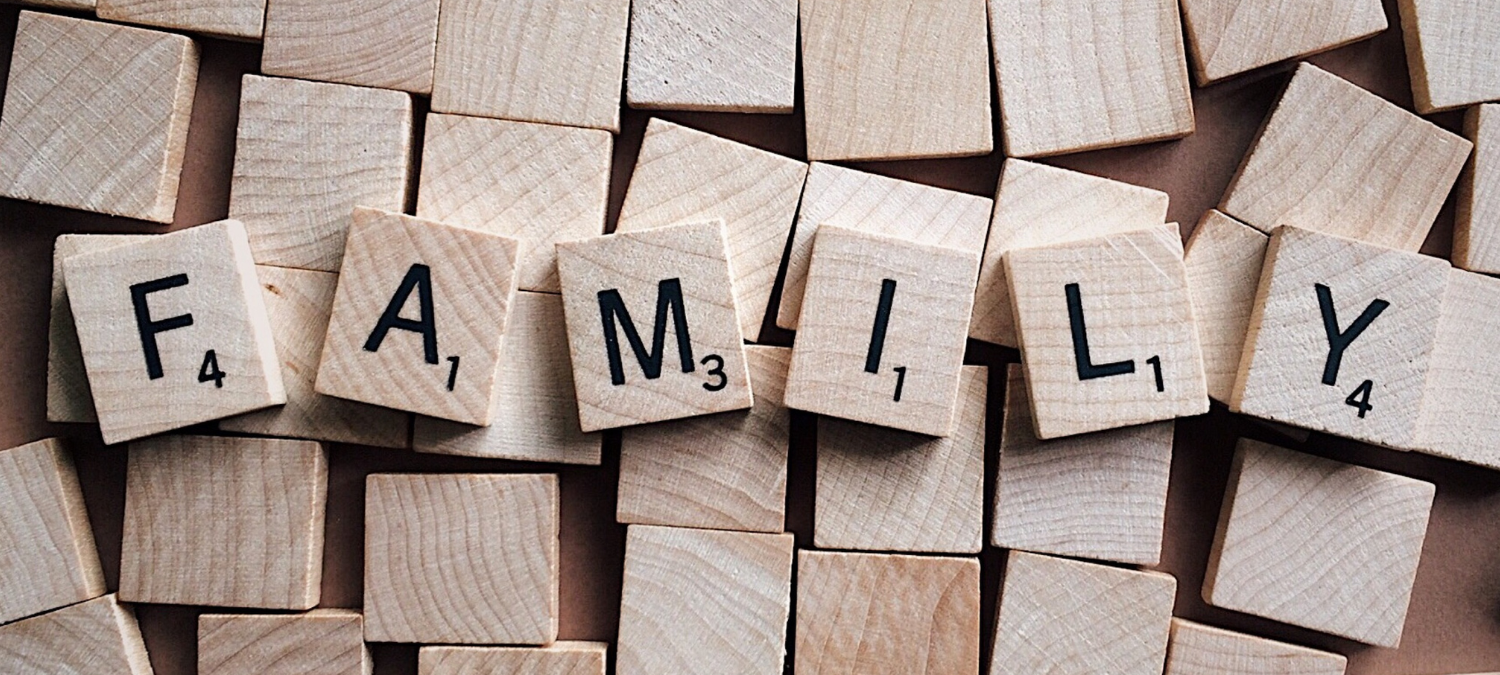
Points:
668	299
419	277
1339	341
882	319
148	328
1086	368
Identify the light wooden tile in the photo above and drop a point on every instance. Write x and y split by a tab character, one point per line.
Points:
683	175
225	522
1450	52
1078	75
538	183
560	658
886	614
1317	543
1106	331
98	637
69	398
636	367
553	61
1460	405
1476	227
704	602
1223	258
436	356
715	55
241	19
47	555
96	116
1101	496
1197	649
173	331
1323	162
320	642
1229	38
390	44
461	559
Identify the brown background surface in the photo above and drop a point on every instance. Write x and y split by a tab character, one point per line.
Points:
1454	622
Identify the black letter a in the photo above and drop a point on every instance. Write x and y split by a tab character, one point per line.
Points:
668	298
1086	368
419	277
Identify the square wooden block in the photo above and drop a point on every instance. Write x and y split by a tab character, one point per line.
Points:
242	19
1079	75
683	175
96	637
1450	51
1317	543
320	642
173	331
1101	495
96	116
886	614
559	658
1106	332
1229	38
627	371
715	55
1476	227
1323	162
224	522
1197	649
724	471
1223	258
69	398
47	550
1066	616
704	602
1460	406
436	356
390	44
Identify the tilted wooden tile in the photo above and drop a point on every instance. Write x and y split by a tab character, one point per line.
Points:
1450	51
1228	38
241	19
1476	227
879	614
69	398
173	331
1223	258
1106	331
320	642
388	44
47	555
704	602
1317	543
720	55
694	366
683	175
224	522
96	116
1197	649
441	363
1323	162
559	658
461	559
1101	495
98	637
1460	405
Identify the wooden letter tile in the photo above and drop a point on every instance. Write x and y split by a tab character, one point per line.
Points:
1228	38
559	658
1223	258
69	398
320	642
242	19
1460	405
1197	649
98	637
1450	50
388	44
1476	228
47	555
717	55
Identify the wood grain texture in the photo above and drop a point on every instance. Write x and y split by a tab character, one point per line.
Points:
704	602
683	175
1078	75
224	522
79	5
390	44
1324	161
241	19
69	398
98	637
1317	543
96	116
1476	227
47	555
1460	404
320	642
1451	52
1197	649
461	559
714	55
1224	259
559	658
1229	38
872	614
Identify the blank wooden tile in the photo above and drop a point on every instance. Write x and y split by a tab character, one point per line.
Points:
553	61
886	614
1067	616
1197	649
1101	495
436	356
68	396
1460	407
1323	162
1317	543
320	642
1450	51
96	116
1223	259
704	602
241	19
388	44
1228	38
1383	305
305	155
683	175
559	658
638	282
98	637
173	331
725	471
47	555
1476	227
719	55
1078	75
1106	331
461	559
225	522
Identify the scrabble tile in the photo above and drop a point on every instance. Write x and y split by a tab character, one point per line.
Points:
1317	543
1197	649
1341	337
1106	332
876	204
461	559
1101	496
1229	38
299	303
720	55
1066	616
535	411
704	602
1078	75
305	155
173	331
1223	259
241	19
553	61
538	183
388	44
886	614
1039	205
96	116
623	374
97	637
724	471
1323	162
320	642
69	398
1460	407
1450	51
47	555
1476	237
683	175
437	358
560	658
225	522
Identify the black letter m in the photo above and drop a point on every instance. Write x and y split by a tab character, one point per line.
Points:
668	299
